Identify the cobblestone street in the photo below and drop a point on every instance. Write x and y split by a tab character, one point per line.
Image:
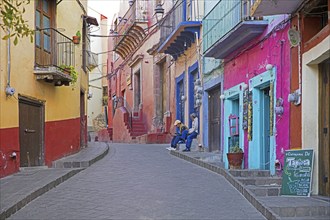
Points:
141	182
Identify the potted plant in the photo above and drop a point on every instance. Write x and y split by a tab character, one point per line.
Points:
76	38
71	71
235	157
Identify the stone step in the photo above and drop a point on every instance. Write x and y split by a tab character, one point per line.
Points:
298	207
261	181
325	217
250	173
265	190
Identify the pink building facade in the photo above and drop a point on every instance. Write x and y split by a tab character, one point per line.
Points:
256	86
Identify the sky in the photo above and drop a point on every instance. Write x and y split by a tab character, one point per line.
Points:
105	7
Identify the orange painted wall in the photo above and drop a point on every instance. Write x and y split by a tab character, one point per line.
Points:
295	111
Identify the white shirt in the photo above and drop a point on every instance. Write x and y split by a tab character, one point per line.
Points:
194	126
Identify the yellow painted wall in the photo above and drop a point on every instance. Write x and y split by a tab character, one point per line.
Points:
60	102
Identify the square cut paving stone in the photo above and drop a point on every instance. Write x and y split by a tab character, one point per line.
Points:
297	206
19	189
250	173
269	181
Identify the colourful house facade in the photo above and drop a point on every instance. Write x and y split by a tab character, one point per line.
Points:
153	71
43	108
256	71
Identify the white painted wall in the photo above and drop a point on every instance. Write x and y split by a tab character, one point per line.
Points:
310	103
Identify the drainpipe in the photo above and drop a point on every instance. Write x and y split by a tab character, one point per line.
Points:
299	59
9	90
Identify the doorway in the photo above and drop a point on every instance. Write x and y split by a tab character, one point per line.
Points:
31	132
83	124
214	119
137	90
324	126
180	97
265	128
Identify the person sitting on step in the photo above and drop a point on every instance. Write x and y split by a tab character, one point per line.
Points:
180	135
192	132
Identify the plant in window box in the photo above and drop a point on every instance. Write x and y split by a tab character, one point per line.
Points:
76	38
235	157
71	71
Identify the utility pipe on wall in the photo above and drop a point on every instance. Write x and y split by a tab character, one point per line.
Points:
9	90
8	58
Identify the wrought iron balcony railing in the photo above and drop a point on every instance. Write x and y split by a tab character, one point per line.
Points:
136	14
53	52
221	19
53	48
173	18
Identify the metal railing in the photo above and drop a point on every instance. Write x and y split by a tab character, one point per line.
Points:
53	48
121	102
180	12
224	17
136	13
172	19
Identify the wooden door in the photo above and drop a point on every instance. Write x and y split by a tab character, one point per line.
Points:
137	90
214	119
31	132
324	126
83	124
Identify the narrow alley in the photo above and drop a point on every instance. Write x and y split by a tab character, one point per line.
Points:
141	182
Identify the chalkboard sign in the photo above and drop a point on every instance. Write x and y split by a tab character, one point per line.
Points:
297	173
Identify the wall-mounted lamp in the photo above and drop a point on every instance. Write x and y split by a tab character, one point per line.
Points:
183	98
89	95
269	66
294	97
222	96
159	12
130	2
279	110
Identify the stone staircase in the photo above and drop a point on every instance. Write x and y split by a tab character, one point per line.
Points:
267	190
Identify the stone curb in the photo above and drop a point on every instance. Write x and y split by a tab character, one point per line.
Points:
43	189
264	210
20	204
84	164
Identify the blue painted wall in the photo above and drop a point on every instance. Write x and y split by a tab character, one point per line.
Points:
191	73
178	81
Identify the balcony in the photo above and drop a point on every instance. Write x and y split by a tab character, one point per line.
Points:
178	29
53	50
92	60
228	26
131	29
267	7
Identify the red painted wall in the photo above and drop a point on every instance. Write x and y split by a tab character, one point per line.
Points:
62	138
9	142
120	131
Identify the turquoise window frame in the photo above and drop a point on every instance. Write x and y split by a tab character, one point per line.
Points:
233	93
